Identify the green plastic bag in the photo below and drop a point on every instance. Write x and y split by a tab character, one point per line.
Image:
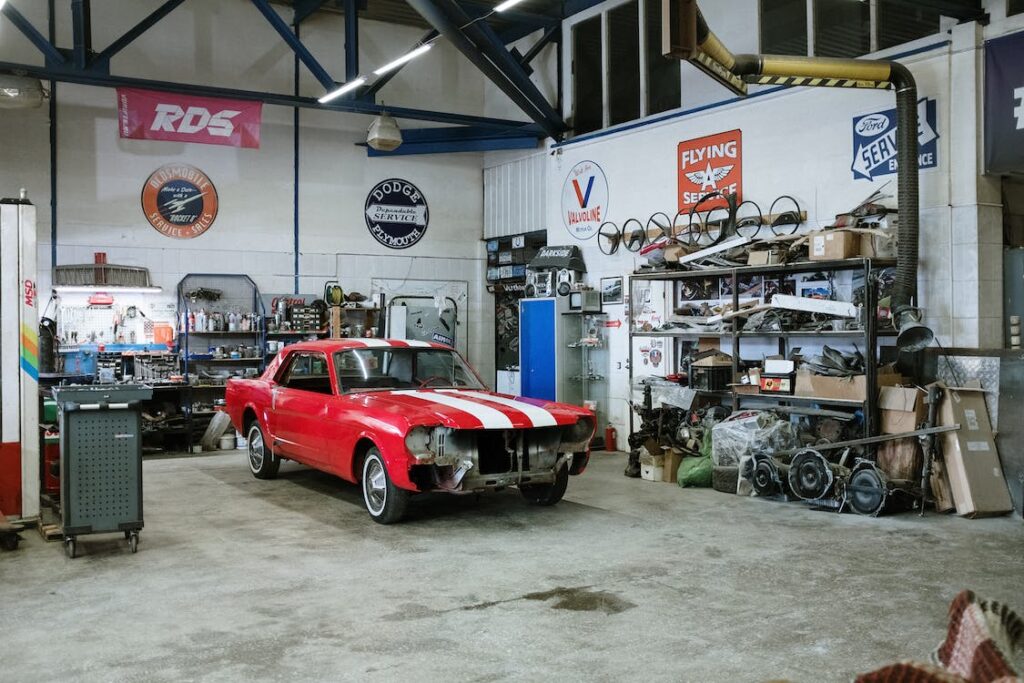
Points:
695	472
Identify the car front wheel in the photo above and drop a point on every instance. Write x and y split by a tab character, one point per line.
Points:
547	494
262	462
384	501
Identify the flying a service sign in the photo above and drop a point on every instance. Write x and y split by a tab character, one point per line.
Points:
713	163
154	115
874	141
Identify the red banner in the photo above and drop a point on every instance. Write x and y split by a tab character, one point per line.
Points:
155	115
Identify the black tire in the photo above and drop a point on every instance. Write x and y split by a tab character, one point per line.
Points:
262	462
9	541
547	494
724	479
385	502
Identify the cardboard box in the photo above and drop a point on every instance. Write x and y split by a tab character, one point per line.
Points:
901	459
833	245
764	257
902	409
776	384
842	388
941	493
877	246
972	462
670	469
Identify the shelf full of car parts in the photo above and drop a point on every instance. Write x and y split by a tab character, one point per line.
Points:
736	309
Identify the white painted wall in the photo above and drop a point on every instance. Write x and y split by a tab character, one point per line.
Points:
799	142
228	43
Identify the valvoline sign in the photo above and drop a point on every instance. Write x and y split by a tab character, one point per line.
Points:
874	141
584	200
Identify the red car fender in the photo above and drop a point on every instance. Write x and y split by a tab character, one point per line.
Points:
397	459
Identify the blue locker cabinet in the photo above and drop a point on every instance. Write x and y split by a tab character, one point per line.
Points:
545	362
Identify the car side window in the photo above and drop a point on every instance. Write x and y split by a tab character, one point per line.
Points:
307	372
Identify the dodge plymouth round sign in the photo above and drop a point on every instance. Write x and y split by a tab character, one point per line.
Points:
179	201
584	200
710	164
397	213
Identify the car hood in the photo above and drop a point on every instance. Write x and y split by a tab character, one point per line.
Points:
467	409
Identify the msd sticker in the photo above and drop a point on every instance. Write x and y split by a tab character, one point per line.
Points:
710	164
584	200
874	141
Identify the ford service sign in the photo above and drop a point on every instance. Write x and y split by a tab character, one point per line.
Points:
874	141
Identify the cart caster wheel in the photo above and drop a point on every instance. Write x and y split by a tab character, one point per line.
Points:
9	542
133	543
69	548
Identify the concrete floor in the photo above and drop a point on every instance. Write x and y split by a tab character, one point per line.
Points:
239	579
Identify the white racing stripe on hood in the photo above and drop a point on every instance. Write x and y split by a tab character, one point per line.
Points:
539	417
418	344
490	418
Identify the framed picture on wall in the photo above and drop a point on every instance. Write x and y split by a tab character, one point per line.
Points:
611	290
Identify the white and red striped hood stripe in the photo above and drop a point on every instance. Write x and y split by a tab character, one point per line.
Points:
466	409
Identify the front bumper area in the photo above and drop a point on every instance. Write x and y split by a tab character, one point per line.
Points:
471	460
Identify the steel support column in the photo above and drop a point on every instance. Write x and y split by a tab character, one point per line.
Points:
81	28
102	60
381	81
52	54
451	31
307	58
487	41
95	78
351	39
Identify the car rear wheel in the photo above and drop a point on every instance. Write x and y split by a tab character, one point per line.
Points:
262	462
547	494
384	501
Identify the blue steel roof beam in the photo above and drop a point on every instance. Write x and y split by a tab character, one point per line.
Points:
52	54
487	41
303	53
304	9
549	35
81	28
351	40
371	90
69	74
449	28
102	60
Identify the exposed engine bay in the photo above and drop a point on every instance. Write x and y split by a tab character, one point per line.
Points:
469	460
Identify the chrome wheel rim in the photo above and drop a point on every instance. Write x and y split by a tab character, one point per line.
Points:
256	453
375	490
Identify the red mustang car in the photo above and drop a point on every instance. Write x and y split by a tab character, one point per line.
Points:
402	417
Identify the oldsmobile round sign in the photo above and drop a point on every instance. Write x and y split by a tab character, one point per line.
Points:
584	200
179	201
396	213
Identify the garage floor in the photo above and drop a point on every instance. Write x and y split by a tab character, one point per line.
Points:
239	579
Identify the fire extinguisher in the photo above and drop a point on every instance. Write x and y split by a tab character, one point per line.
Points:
610	434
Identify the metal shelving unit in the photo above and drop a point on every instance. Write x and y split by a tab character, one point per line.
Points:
869	334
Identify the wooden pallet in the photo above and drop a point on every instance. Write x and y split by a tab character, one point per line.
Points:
51	532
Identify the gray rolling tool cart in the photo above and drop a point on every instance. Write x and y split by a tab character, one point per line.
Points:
101	461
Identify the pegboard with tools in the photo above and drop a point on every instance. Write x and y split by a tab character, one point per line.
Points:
127	320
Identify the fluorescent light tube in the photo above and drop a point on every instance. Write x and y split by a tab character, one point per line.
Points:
507	4
106	288
403	59
351	85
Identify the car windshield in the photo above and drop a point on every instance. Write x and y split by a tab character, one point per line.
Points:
405	368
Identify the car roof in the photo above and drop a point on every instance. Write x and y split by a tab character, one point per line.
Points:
334	345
